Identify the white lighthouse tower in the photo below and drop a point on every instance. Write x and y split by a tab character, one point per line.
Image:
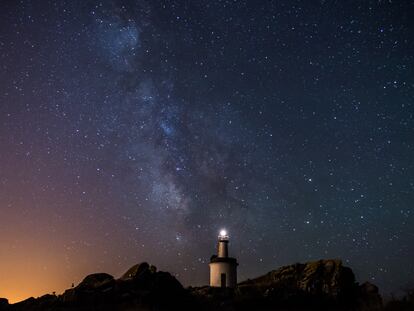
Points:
223	269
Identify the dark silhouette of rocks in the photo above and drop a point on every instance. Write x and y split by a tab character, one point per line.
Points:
323	277
140	288
137	270
320	285
406	303
3	303
369	297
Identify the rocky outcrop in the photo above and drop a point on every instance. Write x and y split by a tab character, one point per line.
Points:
369	297
96	281
403	303
45	302
140	288
93	289
136	271
324	277
319	285
4	303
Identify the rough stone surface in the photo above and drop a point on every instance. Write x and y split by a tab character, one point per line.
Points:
4	302
94	281
319	285
369	297
327	277
135	271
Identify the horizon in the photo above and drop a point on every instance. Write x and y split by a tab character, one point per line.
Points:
60	292
135	130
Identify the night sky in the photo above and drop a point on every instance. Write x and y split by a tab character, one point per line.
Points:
134	131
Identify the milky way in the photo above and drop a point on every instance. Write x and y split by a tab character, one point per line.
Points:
136	130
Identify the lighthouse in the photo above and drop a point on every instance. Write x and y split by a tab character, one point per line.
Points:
223	269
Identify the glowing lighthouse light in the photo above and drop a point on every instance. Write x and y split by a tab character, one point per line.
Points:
223	233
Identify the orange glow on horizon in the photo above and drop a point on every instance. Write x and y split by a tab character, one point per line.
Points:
34	263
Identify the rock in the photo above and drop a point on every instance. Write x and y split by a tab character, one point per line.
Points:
95	288
369	288
327	277
4	304
319	285
69	296
136	271
165	282
95	281
28	304
369	297
146	277
139	277
45	302
140	286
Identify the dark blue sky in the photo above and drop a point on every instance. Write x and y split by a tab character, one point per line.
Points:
135	130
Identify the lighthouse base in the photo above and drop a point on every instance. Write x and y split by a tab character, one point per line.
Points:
223	272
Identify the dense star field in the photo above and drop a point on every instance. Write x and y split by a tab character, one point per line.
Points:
135	130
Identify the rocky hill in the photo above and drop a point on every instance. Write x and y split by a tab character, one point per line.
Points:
320	285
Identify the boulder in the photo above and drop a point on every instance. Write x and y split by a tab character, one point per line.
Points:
319	285
27	304
327	277
95	288
136	271
95	281
369	297
322	284
4	303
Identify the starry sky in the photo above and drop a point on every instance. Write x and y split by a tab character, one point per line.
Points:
135	130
